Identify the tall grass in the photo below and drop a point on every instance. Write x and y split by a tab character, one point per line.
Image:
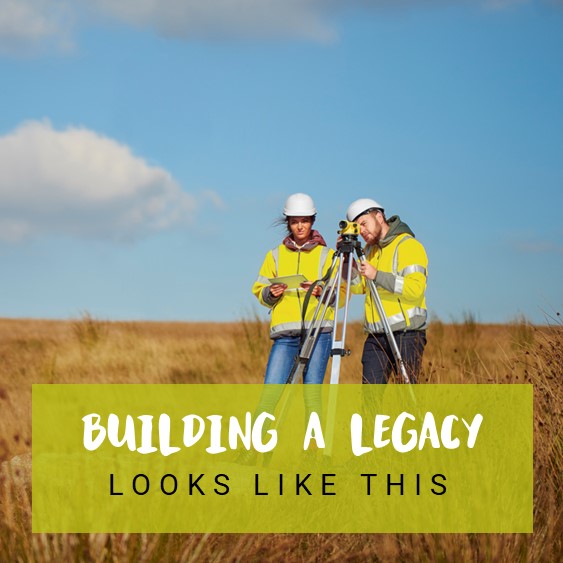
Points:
88	330
89	351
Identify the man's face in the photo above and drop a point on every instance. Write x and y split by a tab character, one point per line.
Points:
370	227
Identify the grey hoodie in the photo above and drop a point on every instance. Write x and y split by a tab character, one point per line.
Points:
396	228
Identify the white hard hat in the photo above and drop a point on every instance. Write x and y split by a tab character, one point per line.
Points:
360	207
299	205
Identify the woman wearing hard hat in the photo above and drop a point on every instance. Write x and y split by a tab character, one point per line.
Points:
303	251
398	264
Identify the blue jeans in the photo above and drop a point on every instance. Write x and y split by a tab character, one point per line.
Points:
283	353
282	357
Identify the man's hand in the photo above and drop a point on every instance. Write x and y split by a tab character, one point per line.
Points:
367	270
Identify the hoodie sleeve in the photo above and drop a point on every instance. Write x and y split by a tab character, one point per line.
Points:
261	287
409	279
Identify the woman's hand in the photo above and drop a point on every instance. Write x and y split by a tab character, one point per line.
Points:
316	291
367	270
277	289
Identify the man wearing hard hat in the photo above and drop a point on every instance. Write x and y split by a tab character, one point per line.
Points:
398	264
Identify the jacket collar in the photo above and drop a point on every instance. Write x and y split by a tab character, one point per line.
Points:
316	239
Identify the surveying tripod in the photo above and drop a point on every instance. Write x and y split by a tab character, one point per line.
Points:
342	259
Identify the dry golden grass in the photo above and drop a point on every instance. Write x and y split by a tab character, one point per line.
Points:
91	351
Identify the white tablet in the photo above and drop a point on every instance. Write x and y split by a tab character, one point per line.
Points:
292	282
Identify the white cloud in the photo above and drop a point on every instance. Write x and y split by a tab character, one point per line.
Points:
77	182
305	19
224	18
214	198
30	25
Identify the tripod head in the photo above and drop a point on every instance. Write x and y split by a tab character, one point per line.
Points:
349	229
348	242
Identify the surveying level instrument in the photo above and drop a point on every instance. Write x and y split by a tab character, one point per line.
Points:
341	263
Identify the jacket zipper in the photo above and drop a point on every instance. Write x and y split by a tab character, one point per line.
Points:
298	264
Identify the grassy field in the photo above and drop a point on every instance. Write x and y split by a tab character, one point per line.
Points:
91	351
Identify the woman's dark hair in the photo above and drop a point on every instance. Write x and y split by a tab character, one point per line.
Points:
283	220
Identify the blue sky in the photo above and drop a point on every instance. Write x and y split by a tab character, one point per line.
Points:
146	148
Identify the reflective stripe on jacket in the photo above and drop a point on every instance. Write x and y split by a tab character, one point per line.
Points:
402	269
286	311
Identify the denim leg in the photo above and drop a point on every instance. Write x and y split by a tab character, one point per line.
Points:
280	362
314	375
316	369
282	355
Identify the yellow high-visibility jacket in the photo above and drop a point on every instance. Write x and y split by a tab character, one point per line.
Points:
402	268
286	311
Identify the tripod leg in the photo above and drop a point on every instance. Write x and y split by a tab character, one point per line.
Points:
383	317
338	349
388	332
315	323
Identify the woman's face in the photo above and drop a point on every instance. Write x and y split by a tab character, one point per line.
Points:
300	228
